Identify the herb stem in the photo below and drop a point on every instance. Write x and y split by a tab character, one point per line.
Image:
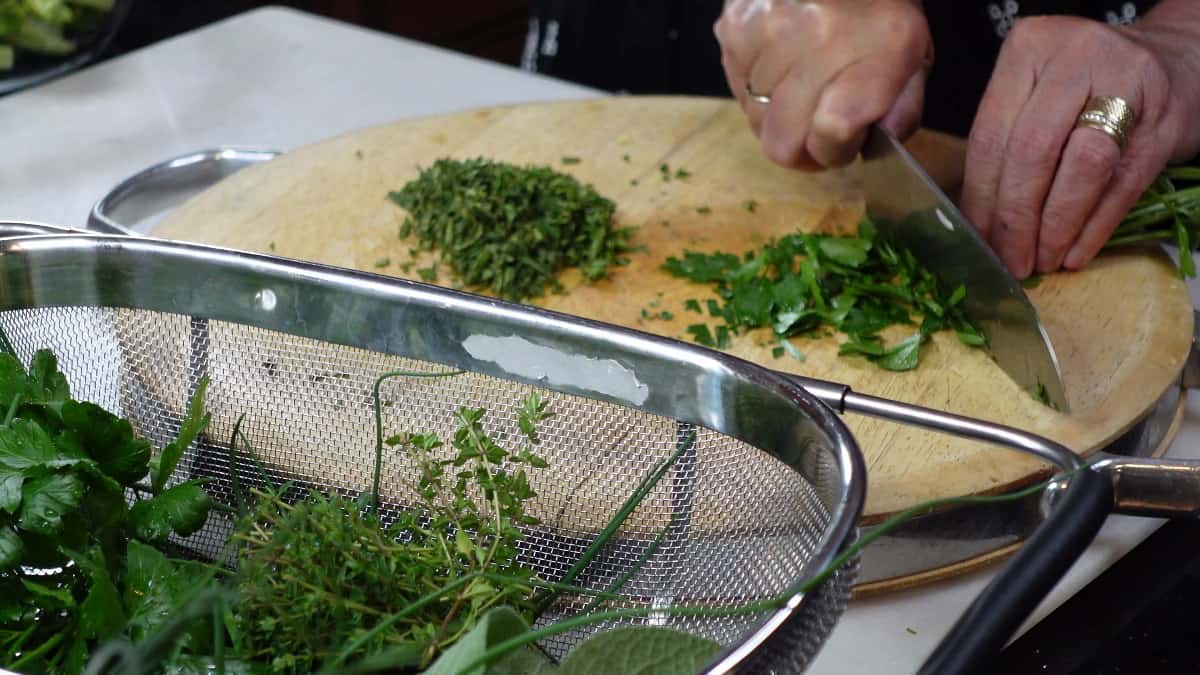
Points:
647	484
379	422
12	409
506	646
33	654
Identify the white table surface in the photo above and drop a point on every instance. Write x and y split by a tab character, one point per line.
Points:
279	78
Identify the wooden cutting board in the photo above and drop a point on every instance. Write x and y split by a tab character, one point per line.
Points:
1121	328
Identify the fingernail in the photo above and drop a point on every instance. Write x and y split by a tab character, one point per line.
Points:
1074	259
1016	265
1047	261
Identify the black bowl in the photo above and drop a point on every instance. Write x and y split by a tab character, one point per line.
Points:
31	68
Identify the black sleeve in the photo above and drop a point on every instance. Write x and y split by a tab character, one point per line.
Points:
668	46
635	46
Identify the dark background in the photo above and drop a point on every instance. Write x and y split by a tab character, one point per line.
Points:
490	29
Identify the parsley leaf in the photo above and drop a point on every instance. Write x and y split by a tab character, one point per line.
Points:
182	509
108	439
904	355
800	282
46	498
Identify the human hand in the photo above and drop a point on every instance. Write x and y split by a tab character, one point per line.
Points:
1045	193
831	69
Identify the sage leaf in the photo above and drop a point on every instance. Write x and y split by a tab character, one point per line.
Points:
640	651
181	509
494	627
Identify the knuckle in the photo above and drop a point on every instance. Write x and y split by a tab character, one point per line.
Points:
1016	215
1035	147
1092	154
836	129
984	145
1028	31
783	151
1059	228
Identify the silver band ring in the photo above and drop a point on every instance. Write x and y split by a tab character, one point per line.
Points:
757	98
1110	115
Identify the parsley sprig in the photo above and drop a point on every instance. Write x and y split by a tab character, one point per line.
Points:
803	282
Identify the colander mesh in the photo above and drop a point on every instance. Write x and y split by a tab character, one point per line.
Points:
740	525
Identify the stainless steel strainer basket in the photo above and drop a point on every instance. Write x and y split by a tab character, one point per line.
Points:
766	496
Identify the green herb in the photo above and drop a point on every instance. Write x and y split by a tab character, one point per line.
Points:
633	182
665	315
428	273
383	262
271	246
47	27
625	157
64	468
791	349
1168	211
692	305
802	282
701	334
358	154
511	230
704	210
682	174
665	172
571	160
320	572
1031	281
750	205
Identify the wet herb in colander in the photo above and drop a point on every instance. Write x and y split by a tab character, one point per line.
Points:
317	574
509	229
801	283
72	570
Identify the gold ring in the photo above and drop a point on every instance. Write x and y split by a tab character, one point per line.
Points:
757	98
1111	115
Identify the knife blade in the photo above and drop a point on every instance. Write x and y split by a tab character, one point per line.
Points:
911	211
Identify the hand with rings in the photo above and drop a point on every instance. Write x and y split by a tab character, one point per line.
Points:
1077	120
811	76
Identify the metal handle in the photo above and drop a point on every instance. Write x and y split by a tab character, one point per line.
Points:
1161	488
842	399
152	191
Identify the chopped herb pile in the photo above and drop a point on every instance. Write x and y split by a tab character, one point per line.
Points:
803	282
1169	211
510	229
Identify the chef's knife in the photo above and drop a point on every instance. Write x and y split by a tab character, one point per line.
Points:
911	211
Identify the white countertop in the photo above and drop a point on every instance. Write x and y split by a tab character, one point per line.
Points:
277	78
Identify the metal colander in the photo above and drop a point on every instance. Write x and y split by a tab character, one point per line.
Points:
766	496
